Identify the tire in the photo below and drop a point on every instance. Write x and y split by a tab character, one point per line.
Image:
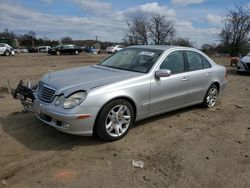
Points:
7	53
114	120
58	53
211	97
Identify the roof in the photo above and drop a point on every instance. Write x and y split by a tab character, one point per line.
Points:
157	47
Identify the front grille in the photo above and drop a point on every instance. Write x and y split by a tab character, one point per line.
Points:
248	65
45	93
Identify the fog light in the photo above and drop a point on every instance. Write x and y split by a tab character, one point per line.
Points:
65	125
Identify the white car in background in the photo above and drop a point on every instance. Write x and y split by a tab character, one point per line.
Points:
6	49
244	64
21	50
43	49
114	49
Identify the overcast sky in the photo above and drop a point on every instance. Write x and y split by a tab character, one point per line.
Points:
196	20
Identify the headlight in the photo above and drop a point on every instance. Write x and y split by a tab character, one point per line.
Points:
241	62
74	99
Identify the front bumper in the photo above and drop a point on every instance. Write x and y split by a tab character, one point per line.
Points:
80	122
12	52
242	67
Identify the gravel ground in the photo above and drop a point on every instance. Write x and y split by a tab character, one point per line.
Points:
193	147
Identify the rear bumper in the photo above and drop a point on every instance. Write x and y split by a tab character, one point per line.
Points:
223	86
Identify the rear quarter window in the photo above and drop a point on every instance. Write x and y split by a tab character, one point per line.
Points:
205	62
194	61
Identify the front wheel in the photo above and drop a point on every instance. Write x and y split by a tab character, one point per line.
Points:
58	53
114	120
7	53
211	97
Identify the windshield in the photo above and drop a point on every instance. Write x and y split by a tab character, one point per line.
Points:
58	46
133	59
248	54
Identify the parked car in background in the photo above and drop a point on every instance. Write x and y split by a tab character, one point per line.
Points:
114	49
21	50
65	49
33	50
244	64
6	49
133	84
43	49
91	49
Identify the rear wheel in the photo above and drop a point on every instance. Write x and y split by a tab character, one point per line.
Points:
114	120
211	96
58	53
7	53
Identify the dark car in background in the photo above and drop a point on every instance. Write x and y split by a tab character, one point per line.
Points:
65	49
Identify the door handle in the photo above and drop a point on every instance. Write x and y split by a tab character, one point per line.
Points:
184	79
209	74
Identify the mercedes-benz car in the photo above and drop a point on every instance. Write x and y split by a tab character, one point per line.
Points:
244	64
133	84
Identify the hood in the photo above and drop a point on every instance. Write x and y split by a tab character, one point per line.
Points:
53	48
85	78
246	59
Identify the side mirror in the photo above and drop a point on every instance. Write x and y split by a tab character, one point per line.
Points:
162	73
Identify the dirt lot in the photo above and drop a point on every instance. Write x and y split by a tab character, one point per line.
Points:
193	147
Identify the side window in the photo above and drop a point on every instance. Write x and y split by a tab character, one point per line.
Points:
194	61
1	45
205	62
174	62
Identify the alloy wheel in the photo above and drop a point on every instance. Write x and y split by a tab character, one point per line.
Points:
212	97
118	120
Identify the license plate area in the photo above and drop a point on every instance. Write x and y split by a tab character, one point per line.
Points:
37	107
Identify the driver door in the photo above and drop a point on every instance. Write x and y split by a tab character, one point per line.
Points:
170	92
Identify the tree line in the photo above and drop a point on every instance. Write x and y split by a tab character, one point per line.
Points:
234	36
158	29
30	41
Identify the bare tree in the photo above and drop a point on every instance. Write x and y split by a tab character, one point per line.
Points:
161	29
181	42
235	34
138	31
31	34
6	34
66	40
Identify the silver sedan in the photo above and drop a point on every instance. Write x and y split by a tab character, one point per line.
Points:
135	83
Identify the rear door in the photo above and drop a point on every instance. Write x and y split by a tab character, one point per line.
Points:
170	92
64	49
200	76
